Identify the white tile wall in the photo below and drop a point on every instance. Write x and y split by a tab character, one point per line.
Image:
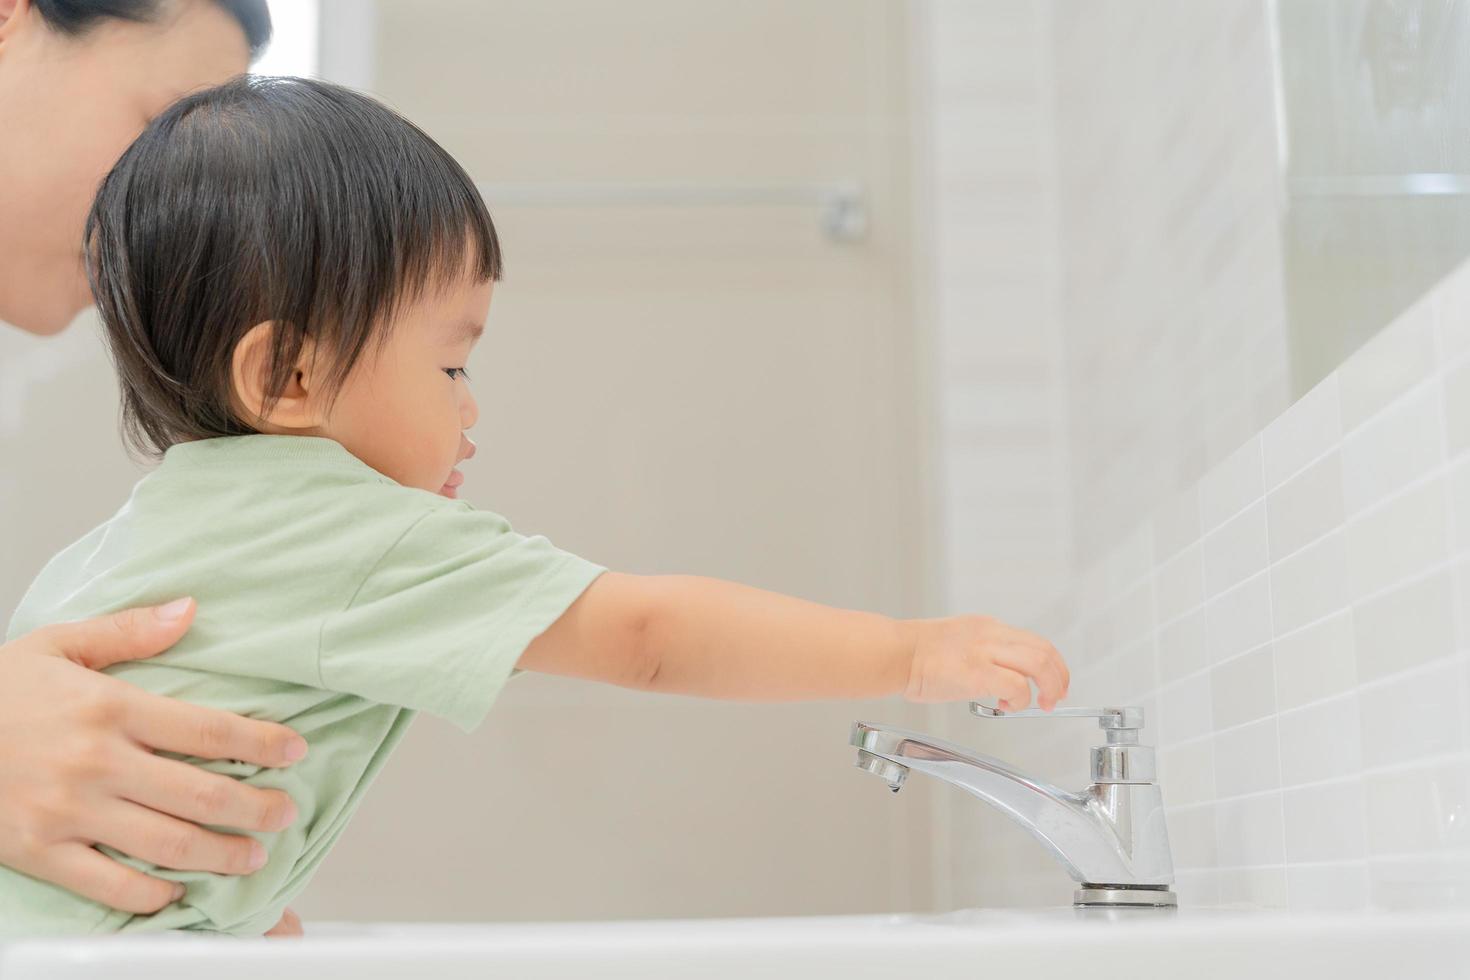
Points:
1172	302
1310	645
986	192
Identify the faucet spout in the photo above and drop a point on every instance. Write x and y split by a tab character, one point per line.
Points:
1110	836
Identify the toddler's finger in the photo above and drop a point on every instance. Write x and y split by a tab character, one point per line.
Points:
1024	638
1046	670
1012	690
290	925
1056	670
1056	666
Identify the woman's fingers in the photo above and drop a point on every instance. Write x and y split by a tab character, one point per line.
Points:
131	634
290	925
199	796
205	733
162	840
70	757
83	870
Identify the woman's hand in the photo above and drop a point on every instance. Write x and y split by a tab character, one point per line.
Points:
969	657
77	766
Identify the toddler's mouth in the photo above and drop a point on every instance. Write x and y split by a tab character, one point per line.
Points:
451	485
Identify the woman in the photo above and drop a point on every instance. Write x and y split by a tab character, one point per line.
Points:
79	79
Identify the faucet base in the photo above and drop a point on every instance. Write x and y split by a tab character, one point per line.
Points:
1120	896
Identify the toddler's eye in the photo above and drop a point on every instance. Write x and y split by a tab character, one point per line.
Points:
457	373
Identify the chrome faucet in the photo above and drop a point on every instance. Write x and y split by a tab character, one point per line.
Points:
1110	837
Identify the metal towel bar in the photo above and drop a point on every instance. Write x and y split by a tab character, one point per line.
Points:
841	204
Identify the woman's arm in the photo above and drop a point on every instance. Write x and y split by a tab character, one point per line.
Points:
77	765
687	635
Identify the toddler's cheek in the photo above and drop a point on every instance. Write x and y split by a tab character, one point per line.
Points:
435	464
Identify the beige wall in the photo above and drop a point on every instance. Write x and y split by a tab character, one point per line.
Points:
718	390
64	468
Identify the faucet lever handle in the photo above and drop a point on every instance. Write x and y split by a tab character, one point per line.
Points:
1108	719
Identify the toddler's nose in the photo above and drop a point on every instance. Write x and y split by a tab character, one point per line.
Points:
469	412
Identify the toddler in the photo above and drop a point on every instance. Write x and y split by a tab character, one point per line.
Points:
292	278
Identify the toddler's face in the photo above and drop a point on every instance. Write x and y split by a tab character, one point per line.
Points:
405	409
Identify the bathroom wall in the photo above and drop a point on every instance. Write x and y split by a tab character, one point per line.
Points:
1298	626
1172	304
1100	269
65	466
1277	584
986	276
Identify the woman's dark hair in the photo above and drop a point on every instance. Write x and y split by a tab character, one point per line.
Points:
269	199
76	17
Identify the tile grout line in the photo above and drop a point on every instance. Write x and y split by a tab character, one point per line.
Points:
1461	626
1275	693
1214	813
1406	674
1361	774
1446	565
1459	853
1447	462
1440	471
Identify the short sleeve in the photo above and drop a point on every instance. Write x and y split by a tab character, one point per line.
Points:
440	621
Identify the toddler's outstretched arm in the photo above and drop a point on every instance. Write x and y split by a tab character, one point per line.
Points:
680	634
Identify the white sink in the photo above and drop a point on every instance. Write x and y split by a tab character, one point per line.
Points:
1198	944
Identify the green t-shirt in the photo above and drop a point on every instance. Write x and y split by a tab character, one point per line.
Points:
331	599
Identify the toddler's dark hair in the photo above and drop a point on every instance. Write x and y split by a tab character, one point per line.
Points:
282	199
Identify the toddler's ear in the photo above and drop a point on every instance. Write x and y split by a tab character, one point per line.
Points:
293	405
12	12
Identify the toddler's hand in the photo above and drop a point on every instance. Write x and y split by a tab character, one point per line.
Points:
290	925
964	658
